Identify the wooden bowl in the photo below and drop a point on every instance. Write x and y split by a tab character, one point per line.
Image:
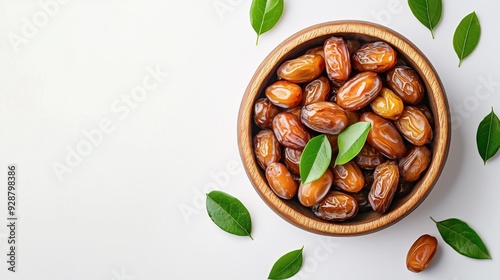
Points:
291	210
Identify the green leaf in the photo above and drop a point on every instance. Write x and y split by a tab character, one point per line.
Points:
264	14
351	141
315	159
466	36
488	136
462	238
428	12
287	266
228	213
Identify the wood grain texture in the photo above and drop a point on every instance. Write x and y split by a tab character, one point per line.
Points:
297	44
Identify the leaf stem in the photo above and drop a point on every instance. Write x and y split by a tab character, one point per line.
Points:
433	220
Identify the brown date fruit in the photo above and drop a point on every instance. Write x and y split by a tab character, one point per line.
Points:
312	193
264	113
359	91
316	91
337	59
427	113
348	177
362	199
284	94
267	148
295	110
333	139
281	180
387	104
336	206
302	69
404	188
368	158
353	45
383	136
421	253
414	163
317	50
385	184
324	117
414	126
376	56
406	83
292	160
368	179
289	131
352	116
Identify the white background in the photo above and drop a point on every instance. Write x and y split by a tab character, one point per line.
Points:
133	207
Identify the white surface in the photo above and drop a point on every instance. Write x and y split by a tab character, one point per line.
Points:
118	216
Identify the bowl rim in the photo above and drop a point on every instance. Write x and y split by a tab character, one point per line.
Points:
439	107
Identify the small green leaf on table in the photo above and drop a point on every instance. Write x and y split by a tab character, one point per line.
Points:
264	14
466	36
287	266
228	213
428	12
462	238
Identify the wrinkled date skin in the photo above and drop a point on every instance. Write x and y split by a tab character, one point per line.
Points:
385	184
295	111
284	94
302	69
281	180
362	199
427	113
387	104
289	131
337	59
316	91
348	177
267	148
368	158
383	136
292	160
404	188
264	113
406	83
317	50
377	57
414	163
312	193
324	117
414	126
359	91
336	206
334	143
421	253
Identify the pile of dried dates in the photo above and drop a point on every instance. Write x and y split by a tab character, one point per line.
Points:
324	91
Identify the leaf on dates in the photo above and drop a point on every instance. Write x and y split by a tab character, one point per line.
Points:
228	213
315	159
466	36
488	136
351	141
287	266
264	14
428	12
462	238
